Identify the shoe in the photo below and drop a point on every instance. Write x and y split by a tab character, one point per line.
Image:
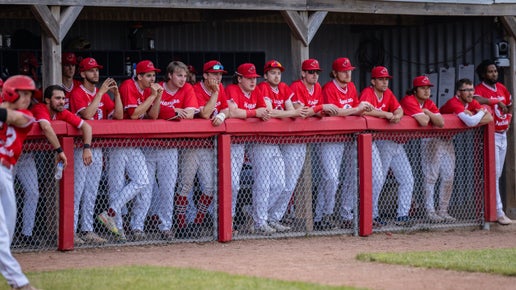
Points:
447	218
26	287
77	241
504	220
108	222
264	229
139	235
346	224
93	238
434	218
167	235
378	222
121	238
279	227
403	221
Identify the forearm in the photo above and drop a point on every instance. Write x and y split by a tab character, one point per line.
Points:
92	108
87	133
471	121
50	134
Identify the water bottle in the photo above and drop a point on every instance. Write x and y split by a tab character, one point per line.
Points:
59	170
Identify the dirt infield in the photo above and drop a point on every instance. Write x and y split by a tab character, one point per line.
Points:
323	260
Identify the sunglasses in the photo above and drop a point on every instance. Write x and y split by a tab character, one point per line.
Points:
218	67
311	72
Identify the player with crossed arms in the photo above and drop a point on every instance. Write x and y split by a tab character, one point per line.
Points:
15	123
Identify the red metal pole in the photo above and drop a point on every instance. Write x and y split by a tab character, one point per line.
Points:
66	193
224	175
489	173
365	165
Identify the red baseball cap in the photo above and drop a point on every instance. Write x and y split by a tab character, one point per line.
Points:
342	64
380	72
422	81
1	83
247	70
89	63
311	64
273	64
146	66
68	58
213	66
191	69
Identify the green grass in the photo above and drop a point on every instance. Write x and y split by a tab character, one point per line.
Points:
495	261
150	277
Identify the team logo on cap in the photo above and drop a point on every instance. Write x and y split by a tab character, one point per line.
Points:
70	57
251	70
314	64
425	80
92	62
384	71
346	63
150	65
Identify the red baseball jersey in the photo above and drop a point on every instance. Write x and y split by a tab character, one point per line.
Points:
68	92
42	114
344	98
203	96
243	101
455	106
132	96
388	103
183	98
500	93
277	96
412	107
305	97
11	138
81	98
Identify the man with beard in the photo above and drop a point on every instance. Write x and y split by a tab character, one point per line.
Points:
91	103
493	93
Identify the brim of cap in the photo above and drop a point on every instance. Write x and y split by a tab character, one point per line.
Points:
346	69
429	85
98	66
149	70
251	76
216	71
282	69
379	77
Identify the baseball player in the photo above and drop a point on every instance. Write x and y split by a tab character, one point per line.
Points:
141	97
178	101
212	101
496	95
90	103
245	100
278	98
437	154
341	92
69	63
15	123
391	153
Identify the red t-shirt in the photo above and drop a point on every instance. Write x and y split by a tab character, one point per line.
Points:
344	98
81	98
132	96
455	106
11	138
183	98
500	93
203	96
305	97
277	96
388	103
412	107
68	92
251	102
42	114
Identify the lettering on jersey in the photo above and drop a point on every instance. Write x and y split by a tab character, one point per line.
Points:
312	103
249	106
278	104
170	104
502	123
7	138
346	103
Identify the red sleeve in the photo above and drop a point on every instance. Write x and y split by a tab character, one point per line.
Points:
41	112
190	97
393	102
109	105
77	102
260	101
411	106
474	106
70	118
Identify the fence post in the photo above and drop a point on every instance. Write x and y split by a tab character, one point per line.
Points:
224	192
365	165
489	173
66	199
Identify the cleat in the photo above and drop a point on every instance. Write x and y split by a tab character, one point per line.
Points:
108	222
92	238
279	227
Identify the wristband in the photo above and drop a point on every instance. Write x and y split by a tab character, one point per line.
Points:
318	108
493	102
221	116
250	113
86	146
58	150
3	115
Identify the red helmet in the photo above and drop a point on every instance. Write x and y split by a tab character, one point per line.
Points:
15	83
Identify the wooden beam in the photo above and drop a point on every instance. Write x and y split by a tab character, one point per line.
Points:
68	17
297	21
510	25
47	21
314	22
510	162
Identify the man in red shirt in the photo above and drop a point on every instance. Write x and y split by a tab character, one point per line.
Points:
15	123
69	64
493	93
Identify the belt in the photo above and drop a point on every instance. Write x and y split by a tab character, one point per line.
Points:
6	163
501	132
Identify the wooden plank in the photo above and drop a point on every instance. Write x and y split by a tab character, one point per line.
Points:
510	24
68	17
297	21
47	21
510	162
314	22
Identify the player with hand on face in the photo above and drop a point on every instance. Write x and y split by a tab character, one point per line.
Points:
392	154
15	123
493	93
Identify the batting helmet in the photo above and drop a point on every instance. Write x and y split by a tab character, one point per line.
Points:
15	83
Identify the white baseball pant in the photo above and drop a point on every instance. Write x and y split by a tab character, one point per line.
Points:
237	161
393	156
9	267
330	160
500	152
294	159
85	193
378	177
437	157
269	179
131	160
26	172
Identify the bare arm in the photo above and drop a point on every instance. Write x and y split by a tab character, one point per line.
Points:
86	139
157	91
422	119
51	136
436	119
